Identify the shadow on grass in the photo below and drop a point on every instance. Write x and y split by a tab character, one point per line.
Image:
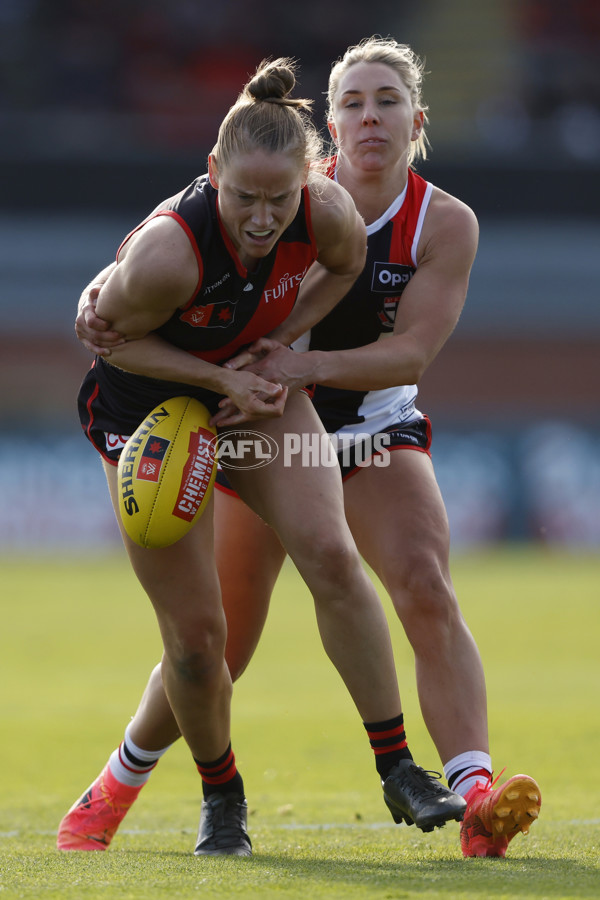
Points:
514	876
325	869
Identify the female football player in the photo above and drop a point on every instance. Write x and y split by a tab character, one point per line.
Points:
192	285
366	357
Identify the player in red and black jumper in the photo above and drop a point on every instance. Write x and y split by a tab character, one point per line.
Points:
367	357
210	271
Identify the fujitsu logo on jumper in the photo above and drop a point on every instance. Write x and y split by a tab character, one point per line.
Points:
287	283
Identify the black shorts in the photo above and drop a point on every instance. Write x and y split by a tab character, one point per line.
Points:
112	403
410	436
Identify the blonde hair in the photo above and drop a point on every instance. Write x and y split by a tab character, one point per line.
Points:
399	57
265	117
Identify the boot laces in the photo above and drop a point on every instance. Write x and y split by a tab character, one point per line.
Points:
418	781
490	784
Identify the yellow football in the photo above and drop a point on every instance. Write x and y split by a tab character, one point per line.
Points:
166	472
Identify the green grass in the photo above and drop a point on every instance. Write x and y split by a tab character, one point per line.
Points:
78	640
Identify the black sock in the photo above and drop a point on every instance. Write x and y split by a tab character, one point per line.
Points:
388	742
221	775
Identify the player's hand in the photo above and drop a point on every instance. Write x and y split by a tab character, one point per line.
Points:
250	355
250	397
95	333
275	362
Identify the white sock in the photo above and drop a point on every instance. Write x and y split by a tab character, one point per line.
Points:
131	764
462	772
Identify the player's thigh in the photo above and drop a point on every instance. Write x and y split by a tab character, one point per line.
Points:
397	515
180	580
299	495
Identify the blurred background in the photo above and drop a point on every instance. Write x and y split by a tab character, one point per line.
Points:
107	107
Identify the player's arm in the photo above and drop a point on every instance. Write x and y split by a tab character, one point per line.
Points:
427	314
156	274
95	333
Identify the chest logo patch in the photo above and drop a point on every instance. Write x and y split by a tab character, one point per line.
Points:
213	315
390	278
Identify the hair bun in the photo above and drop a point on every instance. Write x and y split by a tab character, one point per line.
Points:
274	81
266	117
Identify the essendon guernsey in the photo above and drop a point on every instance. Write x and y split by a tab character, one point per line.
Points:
231	306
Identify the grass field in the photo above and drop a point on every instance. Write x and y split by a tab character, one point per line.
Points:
78	639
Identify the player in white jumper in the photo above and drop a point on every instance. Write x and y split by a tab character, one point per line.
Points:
367	356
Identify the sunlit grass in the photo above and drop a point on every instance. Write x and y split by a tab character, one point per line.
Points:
79	640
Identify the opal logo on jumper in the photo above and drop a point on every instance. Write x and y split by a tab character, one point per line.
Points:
390	278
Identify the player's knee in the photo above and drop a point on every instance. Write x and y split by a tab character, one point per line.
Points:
424	597
194	667
331	559
196	653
